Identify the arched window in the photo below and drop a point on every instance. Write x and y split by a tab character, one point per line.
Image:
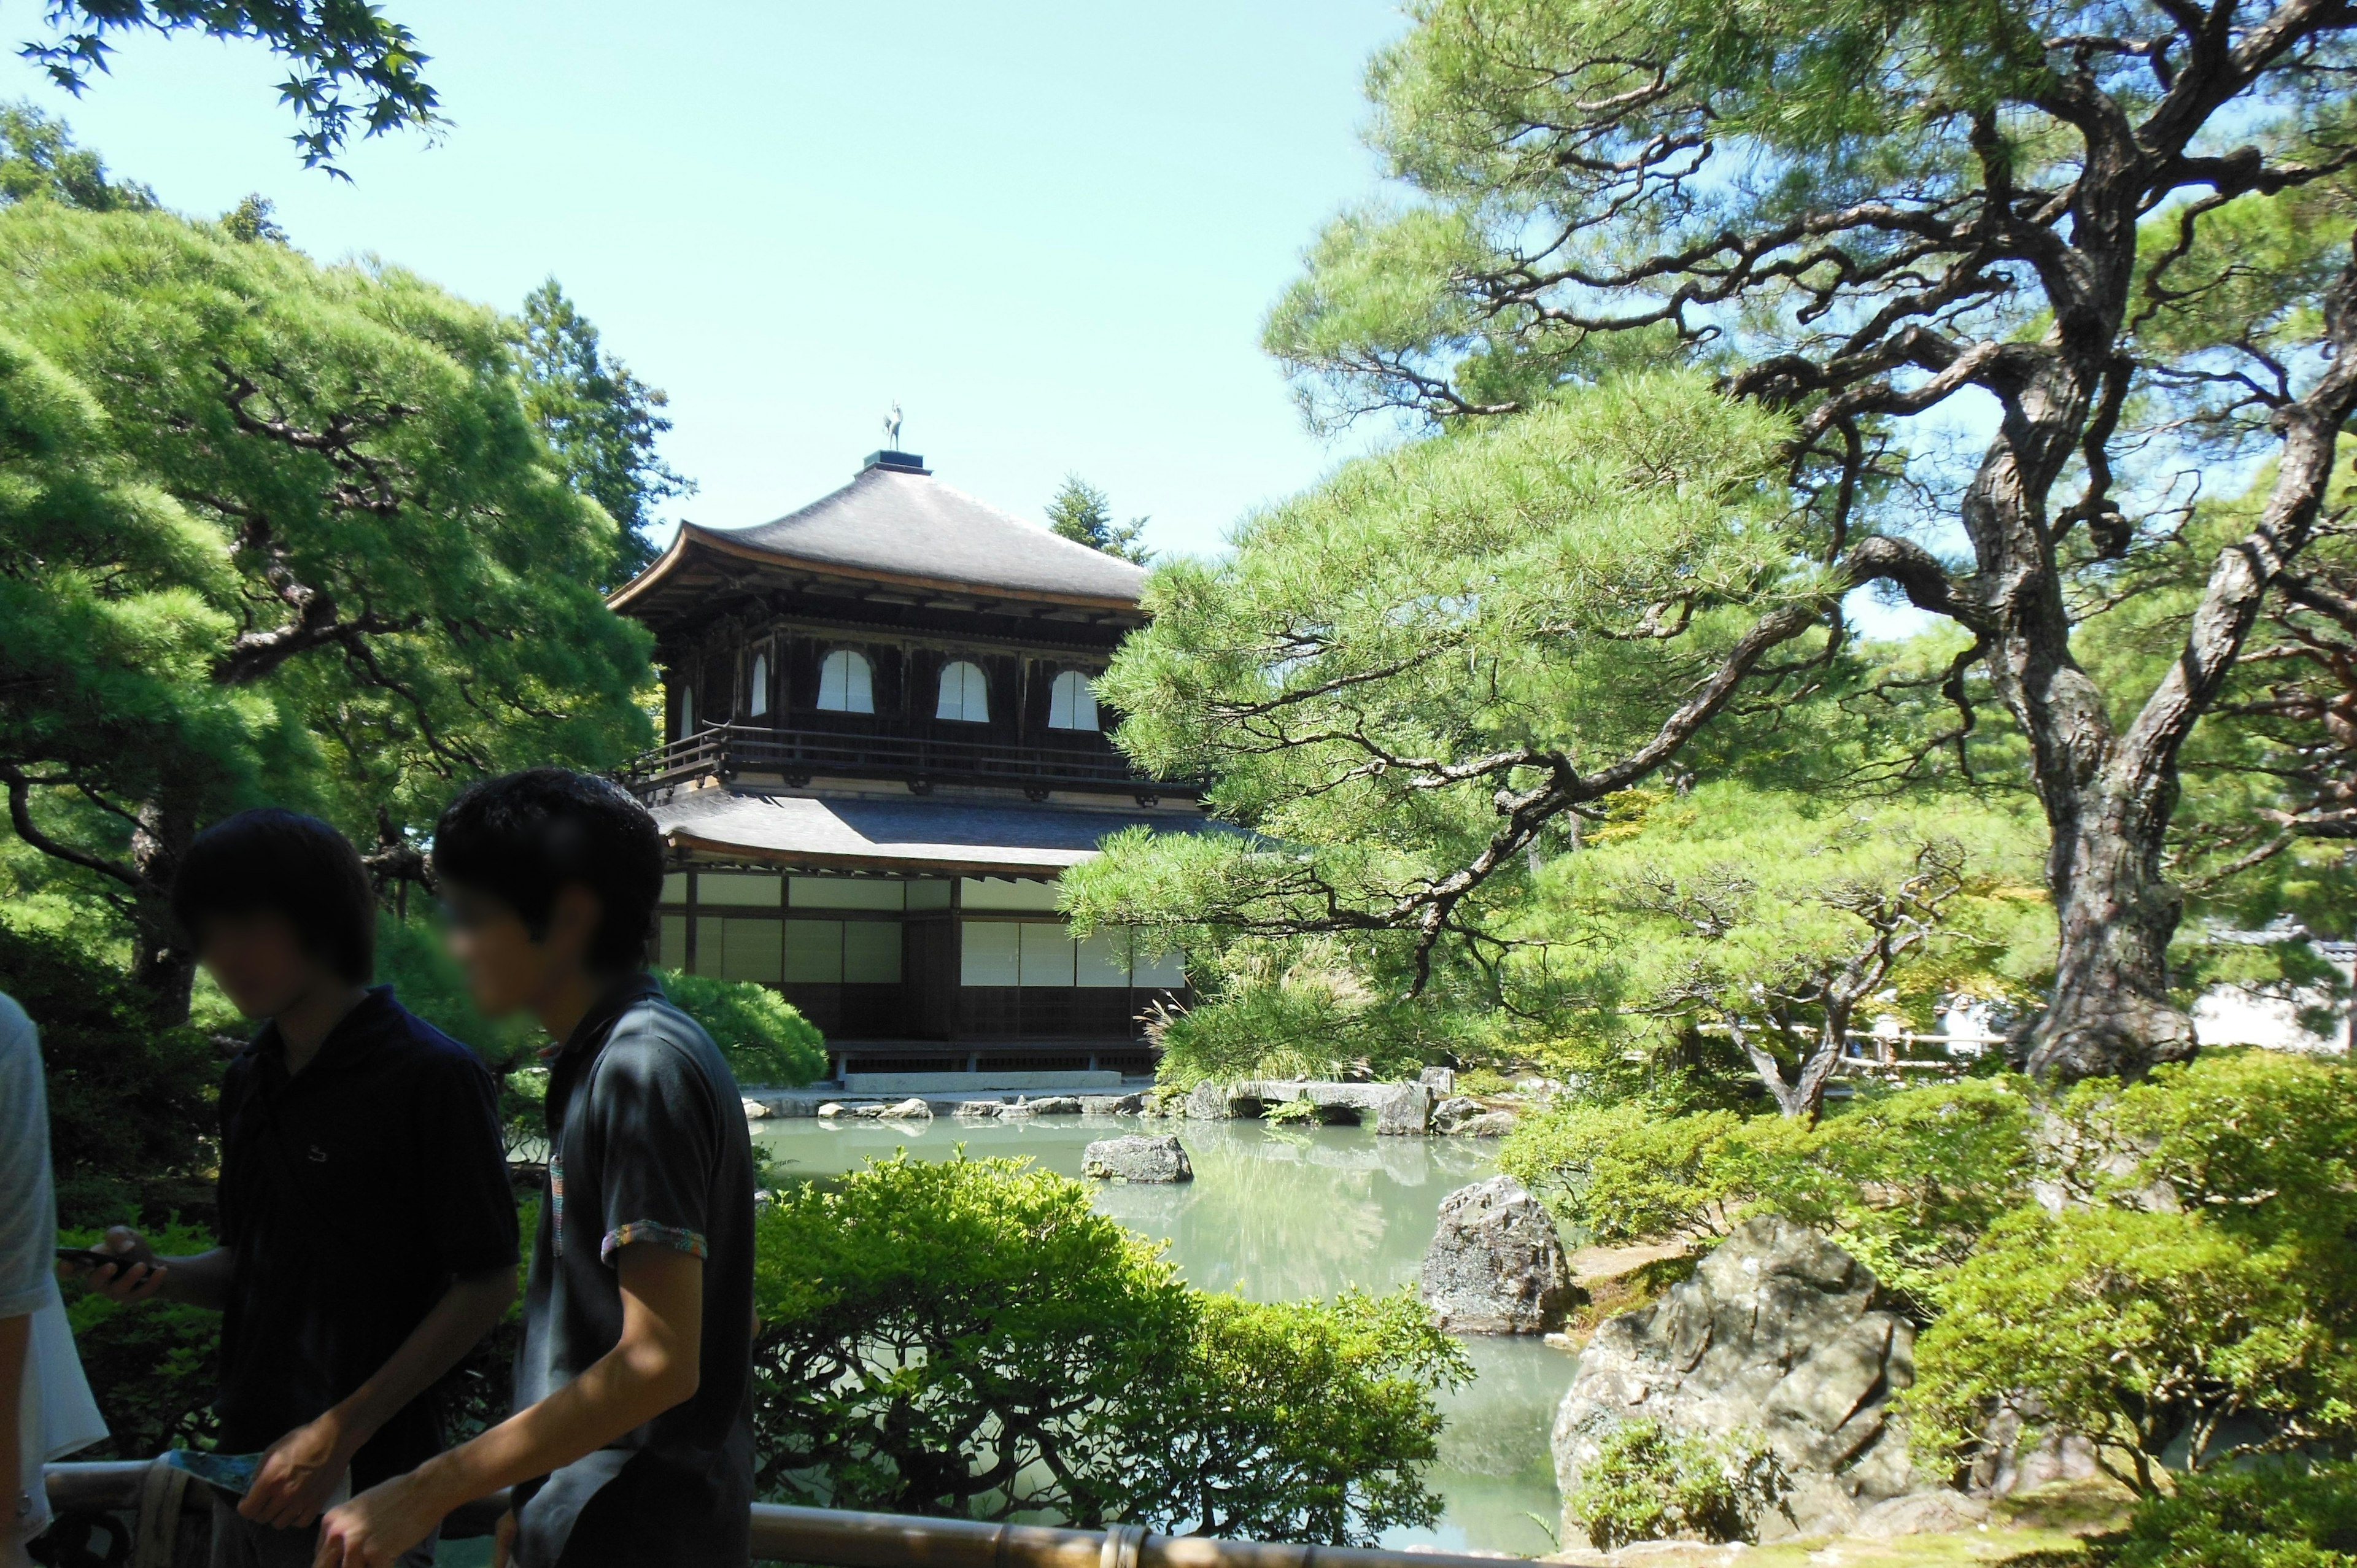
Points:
686	711
846	683
757	702
1070	703
964	693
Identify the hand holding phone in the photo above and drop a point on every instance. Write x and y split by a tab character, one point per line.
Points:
91	1258
125	1268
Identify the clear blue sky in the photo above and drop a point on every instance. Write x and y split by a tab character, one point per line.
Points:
1050	231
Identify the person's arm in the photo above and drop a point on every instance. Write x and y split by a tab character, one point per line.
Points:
200	1279
654	1366
301	1470
16	1334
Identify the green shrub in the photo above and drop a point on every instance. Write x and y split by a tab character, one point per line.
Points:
2140	1332
1910	1179
971	1337
1651	1482
153	1366
131	1106
2261	1142
765	1039
2283	1516
1623	1172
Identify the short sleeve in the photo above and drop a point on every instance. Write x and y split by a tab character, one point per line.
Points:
27	1210
474	1219
657	1142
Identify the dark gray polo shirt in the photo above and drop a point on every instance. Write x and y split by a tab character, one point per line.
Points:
647	1147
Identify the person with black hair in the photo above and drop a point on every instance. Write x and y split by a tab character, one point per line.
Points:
633	1439
368	1227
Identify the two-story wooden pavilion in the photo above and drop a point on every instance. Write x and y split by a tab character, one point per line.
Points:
883	749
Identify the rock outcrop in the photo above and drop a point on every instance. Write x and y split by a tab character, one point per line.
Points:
1159	1159
1781	1333
1496	1266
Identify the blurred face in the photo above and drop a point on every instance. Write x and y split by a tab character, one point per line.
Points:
507	970
259	962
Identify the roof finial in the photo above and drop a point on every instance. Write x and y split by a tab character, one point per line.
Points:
892	427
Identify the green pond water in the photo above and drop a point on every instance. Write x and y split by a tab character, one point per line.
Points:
1283	1213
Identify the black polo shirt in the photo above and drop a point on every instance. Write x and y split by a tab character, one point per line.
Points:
353	1193
647	1147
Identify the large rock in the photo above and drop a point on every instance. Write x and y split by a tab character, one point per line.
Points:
1211	1101
1495	1265
1137	1159
1406	1115
1454	1113
912	1109
1779	1333
1052	1105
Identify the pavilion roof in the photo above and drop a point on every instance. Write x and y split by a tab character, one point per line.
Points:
895	530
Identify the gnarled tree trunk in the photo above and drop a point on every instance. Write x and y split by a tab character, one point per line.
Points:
161	963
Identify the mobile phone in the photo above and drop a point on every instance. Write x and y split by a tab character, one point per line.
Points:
91	1257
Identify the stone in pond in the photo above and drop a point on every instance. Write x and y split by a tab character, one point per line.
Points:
1453	1112
1055	1105
1408	1114
1137	1159
910	1109
1495	1265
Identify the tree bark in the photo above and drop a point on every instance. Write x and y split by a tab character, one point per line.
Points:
162	962
2110	796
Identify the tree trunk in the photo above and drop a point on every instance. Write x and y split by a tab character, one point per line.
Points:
2109	794
2115	914
1803	1098
162	962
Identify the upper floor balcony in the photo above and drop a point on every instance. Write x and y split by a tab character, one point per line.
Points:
798	756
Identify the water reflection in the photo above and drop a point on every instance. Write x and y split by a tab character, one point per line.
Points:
1285	1213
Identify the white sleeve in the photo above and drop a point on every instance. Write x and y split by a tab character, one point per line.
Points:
29	1216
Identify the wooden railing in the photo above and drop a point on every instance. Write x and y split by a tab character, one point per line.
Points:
168	1512
727	751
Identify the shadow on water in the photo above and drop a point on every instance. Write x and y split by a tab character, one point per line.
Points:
1282	1213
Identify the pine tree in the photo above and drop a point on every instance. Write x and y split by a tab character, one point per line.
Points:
1082	513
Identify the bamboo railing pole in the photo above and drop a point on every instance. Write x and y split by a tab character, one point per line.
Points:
838	1537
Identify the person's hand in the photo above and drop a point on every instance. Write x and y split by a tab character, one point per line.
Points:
136	1278
374	1528
299	1473
503	1539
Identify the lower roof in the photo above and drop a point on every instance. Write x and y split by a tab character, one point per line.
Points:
910	837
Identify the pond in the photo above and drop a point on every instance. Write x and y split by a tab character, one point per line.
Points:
1282	1213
